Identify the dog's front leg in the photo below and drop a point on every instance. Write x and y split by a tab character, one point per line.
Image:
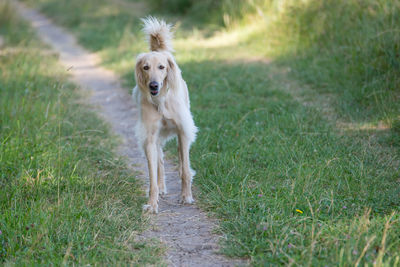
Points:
185	171
152	155
162	188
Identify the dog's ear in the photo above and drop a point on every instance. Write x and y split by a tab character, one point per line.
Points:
173	73
139	75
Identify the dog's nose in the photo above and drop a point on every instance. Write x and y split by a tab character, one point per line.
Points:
153	85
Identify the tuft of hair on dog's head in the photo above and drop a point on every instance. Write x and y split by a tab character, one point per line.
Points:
159	34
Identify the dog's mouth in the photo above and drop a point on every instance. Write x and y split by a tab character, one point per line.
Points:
154	92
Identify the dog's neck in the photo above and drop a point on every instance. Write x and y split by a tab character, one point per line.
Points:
158	101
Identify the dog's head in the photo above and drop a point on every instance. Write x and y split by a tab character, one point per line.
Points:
156	72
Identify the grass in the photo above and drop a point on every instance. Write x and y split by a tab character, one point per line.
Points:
345	48
65	197
270	142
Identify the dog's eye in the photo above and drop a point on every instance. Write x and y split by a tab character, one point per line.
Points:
146	68
161	67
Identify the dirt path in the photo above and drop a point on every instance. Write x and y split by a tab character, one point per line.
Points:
185	230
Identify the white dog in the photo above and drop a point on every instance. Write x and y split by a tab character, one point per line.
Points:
163	101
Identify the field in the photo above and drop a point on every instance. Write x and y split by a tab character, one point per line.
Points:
64	195
298	149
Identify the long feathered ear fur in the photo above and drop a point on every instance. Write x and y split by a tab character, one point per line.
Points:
139	76
173	73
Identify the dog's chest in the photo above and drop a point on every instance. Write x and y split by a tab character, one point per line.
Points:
168	124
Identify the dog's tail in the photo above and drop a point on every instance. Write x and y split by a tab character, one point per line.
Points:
159	34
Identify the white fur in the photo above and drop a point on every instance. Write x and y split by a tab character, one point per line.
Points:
165	115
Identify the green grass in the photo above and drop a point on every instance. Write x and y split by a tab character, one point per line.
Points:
348	48
260	156
65	197
267	143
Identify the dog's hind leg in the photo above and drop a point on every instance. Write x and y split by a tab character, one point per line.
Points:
151	151
160	171
184	166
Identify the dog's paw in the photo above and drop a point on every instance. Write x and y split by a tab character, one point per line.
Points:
151	208
162	189
186	200
163	192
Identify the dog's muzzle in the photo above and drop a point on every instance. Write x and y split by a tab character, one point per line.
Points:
154	88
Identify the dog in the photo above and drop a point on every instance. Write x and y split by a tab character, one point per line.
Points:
164	111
